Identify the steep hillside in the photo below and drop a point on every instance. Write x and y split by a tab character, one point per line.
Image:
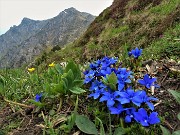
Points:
22	43
150	24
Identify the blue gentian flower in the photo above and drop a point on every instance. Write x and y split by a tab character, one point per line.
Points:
130	95
123	76
147	81
144	119
106	71
98	88
136	52
97	93
116	110
129	114
146	99
38	97
110	97
107	62
96	85
94	65
89	76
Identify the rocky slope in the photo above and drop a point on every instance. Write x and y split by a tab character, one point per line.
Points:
22	43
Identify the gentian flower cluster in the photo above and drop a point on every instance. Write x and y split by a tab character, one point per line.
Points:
111	84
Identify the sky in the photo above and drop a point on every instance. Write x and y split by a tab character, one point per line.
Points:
13	11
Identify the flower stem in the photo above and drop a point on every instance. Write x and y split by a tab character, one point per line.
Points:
110	129
122	122
12	102
60	104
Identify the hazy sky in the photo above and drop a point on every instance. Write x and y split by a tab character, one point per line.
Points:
13	11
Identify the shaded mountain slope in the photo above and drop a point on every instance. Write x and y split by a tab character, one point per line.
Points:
22	43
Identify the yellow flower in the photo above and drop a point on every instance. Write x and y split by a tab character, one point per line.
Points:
31	69
52	65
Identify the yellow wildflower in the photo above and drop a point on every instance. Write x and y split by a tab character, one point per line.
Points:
31	69
52	65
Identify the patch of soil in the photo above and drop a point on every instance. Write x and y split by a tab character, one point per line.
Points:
169	79
29	127
28	124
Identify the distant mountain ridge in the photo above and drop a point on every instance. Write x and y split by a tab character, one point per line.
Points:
20	44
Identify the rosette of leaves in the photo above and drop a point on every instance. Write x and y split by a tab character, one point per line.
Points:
70	81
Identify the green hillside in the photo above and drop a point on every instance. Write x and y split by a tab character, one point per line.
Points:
151	25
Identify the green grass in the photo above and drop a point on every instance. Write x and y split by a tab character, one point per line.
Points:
167	46
109	32
166	7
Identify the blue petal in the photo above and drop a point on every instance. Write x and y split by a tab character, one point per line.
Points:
152	98
146	78
142	82
120	86
137	100
153	80
94	95
124	100
145	124
110	103
128	81
114	110
143	113
153	118
137	116
104	98
123	94
127	119
130	92
150	105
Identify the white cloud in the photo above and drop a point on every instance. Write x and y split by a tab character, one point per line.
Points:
12	11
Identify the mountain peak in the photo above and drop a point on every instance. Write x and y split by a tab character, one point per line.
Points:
27	20
71	9
26	41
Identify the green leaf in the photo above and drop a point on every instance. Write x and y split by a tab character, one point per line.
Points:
2	84
112	78
112	86
59	69
78	83
60	88
75	69
71	121
104	80
39	104
77	90
178	116
119	131
176	132
65	82
47	87
165	131
85	125
102	131
176	95
70	77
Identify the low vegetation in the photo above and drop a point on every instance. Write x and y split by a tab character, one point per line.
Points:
102	83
